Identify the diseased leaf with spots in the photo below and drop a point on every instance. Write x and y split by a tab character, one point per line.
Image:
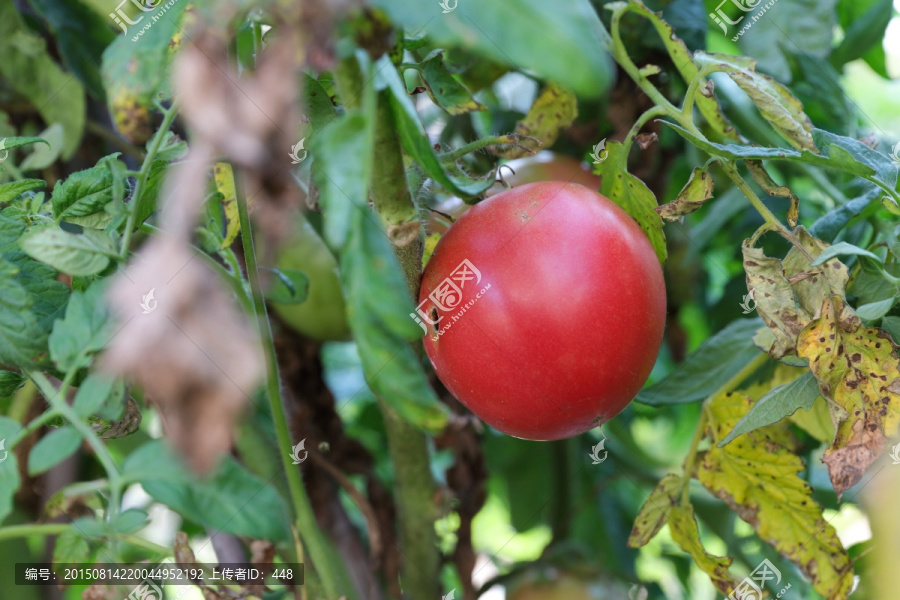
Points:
656	510
757	476
775	102
765	181
553	110
683	528
789	293
858	368
692	196
632	195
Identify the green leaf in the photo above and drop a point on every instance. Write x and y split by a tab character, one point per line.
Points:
224	178
100	395
75	254
147	203
414	138
892	326
30	71
837	152
655	511
320	110
85	329
801	26
44	156
692	196
9	383
554	109
81	35
84	192
875	310
71	547
529	35
379	310
15	142
864	32
289	286
134	71
52	449
715	362
632	195
780	402
9	467
230	500
775	102
844	249
9	191
443	88
342	171
30	299
831	223
130	521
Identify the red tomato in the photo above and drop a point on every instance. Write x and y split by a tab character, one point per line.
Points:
549	305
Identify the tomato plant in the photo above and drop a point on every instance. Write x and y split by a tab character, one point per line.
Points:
237	332
499	339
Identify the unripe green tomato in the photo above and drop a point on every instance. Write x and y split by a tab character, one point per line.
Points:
322	316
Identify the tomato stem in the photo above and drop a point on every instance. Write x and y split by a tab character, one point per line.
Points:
334	580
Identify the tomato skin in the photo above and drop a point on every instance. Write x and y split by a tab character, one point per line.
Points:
570	317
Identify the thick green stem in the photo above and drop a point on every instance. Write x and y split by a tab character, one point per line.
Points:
414	486
168	117
325	561
499	140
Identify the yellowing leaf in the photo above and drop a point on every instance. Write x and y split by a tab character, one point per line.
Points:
816	421
692	196
857	368
765	181
756	475
789	293
225	185
554	109
655	511
684	531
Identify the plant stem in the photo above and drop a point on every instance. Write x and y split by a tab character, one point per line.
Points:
397	208
414	486
57	400
324	558
648	114
168	117
733	174
478	144
17	531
